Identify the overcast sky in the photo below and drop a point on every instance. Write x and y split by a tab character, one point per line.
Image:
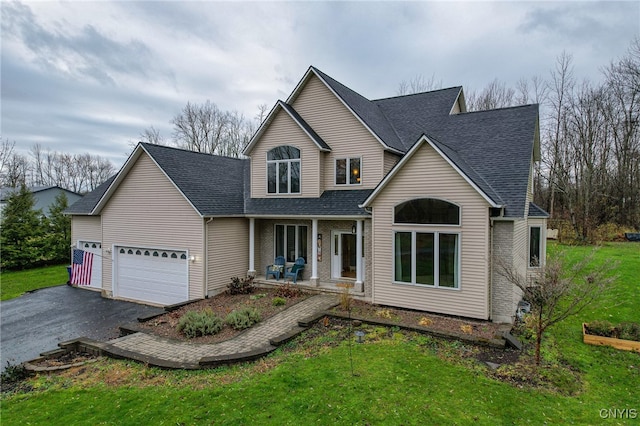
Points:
91	76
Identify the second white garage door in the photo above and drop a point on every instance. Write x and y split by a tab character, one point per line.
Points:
151	275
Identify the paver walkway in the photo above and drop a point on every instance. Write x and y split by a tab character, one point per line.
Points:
255	342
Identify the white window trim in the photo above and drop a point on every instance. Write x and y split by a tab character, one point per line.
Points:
277	164
284	243
348	169
436	266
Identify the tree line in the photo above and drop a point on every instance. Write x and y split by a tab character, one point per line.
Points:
79	173
589	176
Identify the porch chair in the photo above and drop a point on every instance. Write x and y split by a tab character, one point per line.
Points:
292	271
276	269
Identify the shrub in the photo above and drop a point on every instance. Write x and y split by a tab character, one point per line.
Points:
240	285
601	328
279	301
629	331
200	323
243	318
288	291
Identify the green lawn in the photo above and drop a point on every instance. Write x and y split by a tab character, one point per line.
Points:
400	378
15	283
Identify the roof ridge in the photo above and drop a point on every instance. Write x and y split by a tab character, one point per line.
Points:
147	144
498	109
416	94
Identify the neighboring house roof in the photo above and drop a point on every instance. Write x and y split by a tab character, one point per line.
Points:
5	192
537	211
330	203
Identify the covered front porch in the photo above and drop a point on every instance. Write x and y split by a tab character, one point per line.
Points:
333	250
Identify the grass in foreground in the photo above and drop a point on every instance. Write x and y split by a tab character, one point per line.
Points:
399	378
16	283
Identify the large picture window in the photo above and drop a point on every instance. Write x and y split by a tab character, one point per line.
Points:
283	170
427	258
348	171
291	242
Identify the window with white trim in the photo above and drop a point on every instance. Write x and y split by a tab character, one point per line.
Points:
283	170
291	242
422	256
348	171
535	246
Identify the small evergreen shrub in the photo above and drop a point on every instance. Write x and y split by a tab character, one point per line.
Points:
243	318
240	285
279	301
200	323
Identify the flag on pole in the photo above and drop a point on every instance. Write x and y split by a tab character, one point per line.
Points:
81	267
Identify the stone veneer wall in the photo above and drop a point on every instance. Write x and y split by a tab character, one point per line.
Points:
502	291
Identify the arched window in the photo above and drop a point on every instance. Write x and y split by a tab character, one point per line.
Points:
427	211
283	170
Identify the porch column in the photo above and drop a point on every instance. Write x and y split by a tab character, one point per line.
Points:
314	252
358	285
252	231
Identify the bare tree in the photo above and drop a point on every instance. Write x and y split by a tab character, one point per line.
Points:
152	135
200	128
16	171
418	84
495	95
560	290
6	152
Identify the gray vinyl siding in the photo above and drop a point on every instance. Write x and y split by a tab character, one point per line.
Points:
227	252
284	131
426	174
147	210
343	132
86	228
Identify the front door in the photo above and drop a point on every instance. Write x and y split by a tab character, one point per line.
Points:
343	259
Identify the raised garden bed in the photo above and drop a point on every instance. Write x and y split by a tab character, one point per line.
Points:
593	339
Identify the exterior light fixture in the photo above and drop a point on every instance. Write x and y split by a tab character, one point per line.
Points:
353	228
359	336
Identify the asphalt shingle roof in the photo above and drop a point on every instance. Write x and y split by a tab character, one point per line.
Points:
537	211
330	203
214	185
494	149
86	204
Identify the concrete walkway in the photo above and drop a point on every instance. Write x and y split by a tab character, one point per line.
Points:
251	344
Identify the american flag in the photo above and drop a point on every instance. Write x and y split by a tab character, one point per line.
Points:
81	267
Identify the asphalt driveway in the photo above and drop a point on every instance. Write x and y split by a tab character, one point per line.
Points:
36	322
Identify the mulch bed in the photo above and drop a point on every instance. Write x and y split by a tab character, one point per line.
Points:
444	324
222	304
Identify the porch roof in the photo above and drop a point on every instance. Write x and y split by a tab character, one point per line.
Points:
330	203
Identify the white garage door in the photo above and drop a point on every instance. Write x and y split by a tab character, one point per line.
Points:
151	275
94	248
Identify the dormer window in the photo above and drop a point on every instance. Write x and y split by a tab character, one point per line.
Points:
348	171
283	170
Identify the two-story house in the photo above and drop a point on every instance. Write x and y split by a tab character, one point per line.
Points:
410	199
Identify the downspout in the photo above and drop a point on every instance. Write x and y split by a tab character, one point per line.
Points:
205	279
490	268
